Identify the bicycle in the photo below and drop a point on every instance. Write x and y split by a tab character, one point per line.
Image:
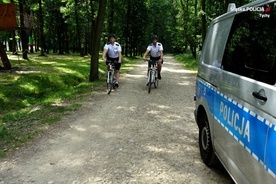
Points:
110	82
152	75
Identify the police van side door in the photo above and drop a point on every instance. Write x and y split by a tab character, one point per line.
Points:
244	106
210	63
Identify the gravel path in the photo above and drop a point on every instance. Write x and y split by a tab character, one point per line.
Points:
129	136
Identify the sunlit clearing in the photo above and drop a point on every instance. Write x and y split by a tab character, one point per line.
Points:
6	78
84	65
53	63
34	109
101	71
15	78
126	59
26	72
29	87
26	103
58	104
53	100
66	70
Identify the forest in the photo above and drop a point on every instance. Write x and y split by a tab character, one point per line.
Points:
59	43
82	26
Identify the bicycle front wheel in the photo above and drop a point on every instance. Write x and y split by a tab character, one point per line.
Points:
156	82
109	83
149	81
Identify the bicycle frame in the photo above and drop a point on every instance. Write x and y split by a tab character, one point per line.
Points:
153	72
110	78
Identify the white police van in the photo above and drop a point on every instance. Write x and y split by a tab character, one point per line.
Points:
236	93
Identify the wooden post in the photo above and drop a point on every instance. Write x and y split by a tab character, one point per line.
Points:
4	57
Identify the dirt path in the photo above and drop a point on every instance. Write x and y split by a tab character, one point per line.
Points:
128	137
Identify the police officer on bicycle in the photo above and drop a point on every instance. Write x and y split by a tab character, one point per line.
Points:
113	51
156	53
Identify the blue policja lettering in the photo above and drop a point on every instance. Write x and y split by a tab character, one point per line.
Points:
242	126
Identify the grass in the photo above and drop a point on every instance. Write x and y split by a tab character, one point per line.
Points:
188	61
38	92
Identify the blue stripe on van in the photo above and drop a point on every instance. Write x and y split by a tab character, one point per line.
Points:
270	160
242	124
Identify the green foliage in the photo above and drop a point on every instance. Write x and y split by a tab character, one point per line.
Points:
188	61
40	91
37	93
178	23
60	77
3	129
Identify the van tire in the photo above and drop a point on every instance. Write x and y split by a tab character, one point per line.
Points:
205	143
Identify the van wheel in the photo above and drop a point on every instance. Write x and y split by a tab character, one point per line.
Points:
205	143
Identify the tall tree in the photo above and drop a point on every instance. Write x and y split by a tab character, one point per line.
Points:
93	24
111	16
41	29
12	40
60	33
78	28
127	28
94	68
23	34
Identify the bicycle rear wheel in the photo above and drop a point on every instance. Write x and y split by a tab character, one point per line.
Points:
149	81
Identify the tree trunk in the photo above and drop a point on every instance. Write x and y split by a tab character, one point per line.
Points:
111	16
41	29
185	26
92	25
31	41
94	68
60	34
23	34
78	29
127	35
4	57
195	26
12	41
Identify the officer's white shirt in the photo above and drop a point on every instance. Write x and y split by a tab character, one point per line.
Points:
112	50
155	50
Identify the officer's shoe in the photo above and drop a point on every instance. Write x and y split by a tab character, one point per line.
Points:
159	76
116	84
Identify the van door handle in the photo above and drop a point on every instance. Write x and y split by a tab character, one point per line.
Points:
259	96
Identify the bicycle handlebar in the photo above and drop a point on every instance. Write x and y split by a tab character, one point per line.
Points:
149	60
108	61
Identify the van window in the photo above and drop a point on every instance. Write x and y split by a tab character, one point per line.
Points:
214	48
250	50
